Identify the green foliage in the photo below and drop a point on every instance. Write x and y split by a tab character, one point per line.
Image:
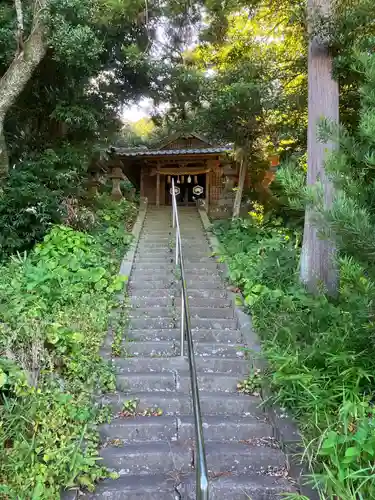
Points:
31	200
255	249
320	353
54	309
99	56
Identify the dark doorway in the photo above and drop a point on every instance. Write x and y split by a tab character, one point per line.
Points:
189	192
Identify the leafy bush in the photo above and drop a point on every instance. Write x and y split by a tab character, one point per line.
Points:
31	200
54	307
321	353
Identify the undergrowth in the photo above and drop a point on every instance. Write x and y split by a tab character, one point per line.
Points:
320	352
54	309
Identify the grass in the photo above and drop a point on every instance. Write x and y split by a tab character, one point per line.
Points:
320	352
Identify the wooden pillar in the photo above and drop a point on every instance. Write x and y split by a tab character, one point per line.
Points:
158	188
142	185
207	190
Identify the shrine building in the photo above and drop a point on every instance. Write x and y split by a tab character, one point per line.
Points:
200	169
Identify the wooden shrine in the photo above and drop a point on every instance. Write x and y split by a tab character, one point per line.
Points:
201	170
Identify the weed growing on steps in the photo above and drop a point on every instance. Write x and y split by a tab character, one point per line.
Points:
54	308
130	409
252	384
321	353
119	324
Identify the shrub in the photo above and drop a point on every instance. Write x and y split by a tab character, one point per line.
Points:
54	307
31	200
321	353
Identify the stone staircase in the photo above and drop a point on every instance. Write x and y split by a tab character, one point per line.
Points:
153	452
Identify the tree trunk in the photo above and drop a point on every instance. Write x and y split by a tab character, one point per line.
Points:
18	74
241	182
318	268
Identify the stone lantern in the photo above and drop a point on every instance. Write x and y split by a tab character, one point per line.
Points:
117	175
94	183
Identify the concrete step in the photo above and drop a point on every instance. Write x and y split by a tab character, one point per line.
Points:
243	458
146	382
199	266
209	382
163	244
211	313
139	278
145	487
150	302
157	245
164	240
171	428
194	273
156	256
212	323
202	335
239	487
204	365
218	350
164	348
168	381
195	312
210	303
152	250
194	268
140	293
149	268
161	241
196	293
180	404
147	458
149	285
190	253
152	312
203	284
165	457
156	232
156	261
150	349
140	428
191	259
151	323
206	281
152	253
226	429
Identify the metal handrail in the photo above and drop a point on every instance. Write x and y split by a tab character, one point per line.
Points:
202	486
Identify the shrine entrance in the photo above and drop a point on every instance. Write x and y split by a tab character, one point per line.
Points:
189	188
194	164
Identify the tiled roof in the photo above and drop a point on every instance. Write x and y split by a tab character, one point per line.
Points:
168	152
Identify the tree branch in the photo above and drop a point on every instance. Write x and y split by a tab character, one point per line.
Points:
20	29
28	56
